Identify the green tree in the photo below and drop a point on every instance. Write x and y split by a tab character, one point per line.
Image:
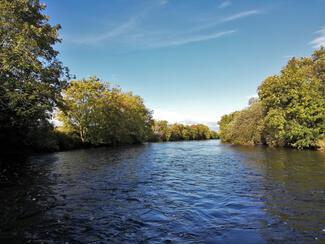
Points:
244	127
31	77
101	115
225	126
161	131
294	103
179	132
82	113
176	132
290	110
200	132
128	121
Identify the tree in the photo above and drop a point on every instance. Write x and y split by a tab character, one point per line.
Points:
31	77
244	127
200	132
101	115
179	132
82	113
225	126
161	131
128	120
290	110
294	103
176	132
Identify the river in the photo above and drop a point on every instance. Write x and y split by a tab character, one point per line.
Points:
176	192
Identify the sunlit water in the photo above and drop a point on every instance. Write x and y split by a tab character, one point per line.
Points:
201	192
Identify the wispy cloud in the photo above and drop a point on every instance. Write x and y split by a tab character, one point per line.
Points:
134	32
124	28
194	38
213	22
241	15
320	40
225	4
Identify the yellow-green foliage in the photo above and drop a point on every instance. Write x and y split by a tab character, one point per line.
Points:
294	103
161	131
179	132
290	111
243	127
321	144
99	114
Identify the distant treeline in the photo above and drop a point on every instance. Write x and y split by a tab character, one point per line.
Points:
36	91
93	113
289	110
162	131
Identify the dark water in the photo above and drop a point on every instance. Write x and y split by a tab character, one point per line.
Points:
182	192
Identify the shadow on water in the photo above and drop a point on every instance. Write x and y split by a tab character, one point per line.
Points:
165	192
293	186
50	197
23	194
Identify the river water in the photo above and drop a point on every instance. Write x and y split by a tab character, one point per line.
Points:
177	192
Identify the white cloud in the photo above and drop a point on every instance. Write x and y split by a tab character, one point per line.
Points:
193	38
124	28
185	115
169	115
320	40
173	116
133	32
241	15
213	22
225	4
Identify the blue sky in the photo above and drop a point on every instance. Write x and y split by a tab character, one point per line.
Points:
191	60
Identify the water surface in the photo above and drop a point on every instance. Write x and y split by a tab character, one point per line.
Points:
200	192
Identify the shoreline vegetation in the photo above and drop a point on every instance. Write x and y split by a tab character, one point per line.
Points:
96	114
36	89
288	112
37	93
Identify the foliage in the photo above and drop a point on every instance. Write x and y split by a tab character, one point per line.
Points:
67	141
243	127
294	103
290	111
101	115
321	144
31	77
225	126
162	131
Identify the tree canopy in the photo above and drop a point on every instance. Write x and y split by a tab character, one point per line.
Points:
99	114
31	77
243	127
290	110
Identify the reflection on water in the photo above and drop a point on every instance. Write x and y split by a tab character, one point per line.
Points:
173	192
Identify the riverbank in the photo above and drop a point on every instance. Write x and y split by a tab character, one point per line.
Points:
289	110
